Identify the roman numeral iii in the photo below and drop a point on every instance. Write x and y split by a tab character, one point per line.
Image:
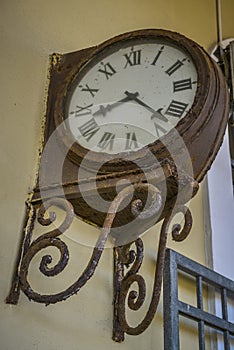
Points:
181	85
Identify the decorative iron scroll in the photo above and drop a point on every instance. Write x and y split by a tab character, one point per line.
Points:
124	256
52	239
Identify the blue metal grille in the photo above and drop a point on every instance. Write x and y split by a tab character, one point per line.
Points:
173	307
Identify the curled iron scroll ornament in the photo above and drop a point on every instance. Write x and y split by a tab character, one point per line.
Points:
52	239
124	256
135	299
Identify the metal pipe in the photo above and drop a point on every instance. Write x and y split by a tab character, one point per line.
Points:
219	28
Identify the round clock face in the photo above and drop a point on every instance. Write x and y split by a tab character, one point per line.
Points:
147	105
130	95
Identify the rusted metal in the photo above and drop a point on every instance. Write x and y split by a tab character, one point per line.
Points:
118	275
177	234
124	257
30	248
52	239
27	230
201	130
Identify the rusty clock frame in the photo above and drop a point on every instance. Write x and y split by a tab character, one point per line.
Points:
202	131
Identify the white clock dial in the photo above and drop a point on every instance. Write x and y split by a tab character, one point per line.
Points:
131	96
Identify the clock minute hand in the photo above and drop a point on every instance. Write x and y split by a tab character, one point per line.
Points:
157	113
140	102
104	109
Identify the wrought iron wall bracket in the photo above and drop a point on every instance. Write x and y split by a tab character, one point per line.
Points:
124	256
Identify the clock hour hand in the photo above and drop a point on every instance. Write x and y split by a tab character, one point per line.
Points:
157	113
104	109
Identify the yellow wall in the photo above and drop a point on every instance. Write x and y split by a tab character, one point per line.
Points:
30	31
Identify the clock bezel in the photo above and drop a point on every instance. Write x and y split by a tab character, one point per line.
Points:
127	160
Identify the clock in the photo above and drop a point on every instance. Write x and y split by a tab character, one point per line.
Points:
132	125
129	95
124	109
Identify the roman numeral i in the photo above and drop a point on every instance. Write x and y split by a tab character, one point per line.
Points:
157	56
